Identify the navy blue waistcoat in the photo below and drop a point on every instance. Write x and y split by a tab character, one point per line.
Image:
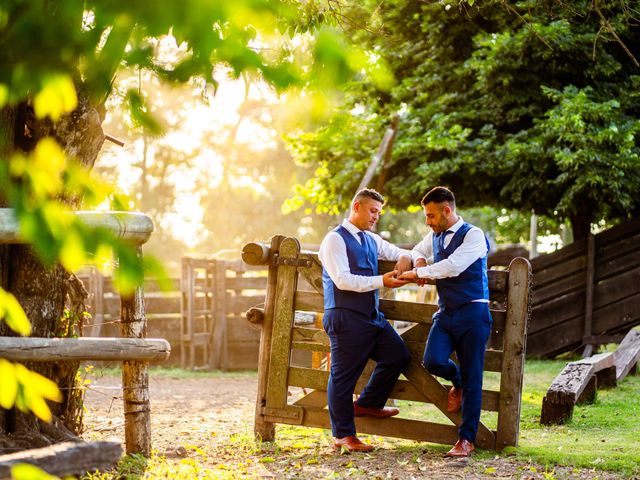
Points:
472	284
363	260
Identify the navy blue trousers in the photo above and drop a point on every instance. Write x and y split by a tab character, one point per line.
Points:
355	338
464	330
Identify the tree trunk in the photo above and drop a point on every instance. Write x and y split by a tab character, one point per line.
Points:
580	223
45	293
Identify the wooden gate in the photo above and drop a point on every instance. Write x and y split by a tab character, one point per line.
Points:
510	310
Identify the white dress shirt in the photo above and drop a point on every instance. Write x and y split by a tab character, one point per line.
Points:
333	255
473	247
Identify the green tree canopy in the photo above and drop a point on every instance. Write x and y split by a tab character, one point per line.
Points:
521	105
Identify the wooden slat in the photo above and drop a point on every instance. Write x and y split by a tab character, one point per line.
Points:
615	266
282	327
558	271
240	304
515	337
573	250
605	293
627	354
403	390
246	283
313	274
264	430
558	288
619	233
22	349
389	427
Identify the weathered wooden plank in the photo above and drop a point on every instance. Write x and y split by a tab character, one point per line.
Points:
610	267
620	232
403	390
315	399
216	352
263	429
558	272
282	326
65	459
135	377
22	349
565	391
515	338
391	427
246	283
569	384
569	284
543	332
312	274
573	250
588	308
627	354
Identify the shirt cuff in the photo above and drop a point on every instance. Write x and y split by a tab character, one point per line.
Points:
377	282
422	272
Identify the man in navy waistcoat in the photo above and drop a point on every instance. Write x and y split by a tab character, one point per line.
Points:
454	254
353	321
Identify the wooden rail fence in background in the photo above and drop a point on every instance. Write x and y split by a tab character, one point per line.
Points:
587	293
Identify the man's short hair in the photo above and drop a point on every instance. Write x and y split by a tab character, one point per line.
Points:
368	193
439	195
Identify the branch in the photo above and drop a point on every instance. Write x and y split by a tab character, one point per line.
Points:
606	23
528	24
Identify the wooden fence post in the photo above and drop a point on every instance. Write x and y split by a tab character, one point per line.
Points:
588	307
135	376
515	341
264	430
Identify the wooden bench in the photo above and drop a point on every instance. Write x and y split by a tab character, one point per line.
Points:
578	382
280	336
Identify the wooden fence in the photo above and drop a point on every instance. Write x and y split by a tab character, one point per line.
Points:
280	336
587	293
215	295
134	351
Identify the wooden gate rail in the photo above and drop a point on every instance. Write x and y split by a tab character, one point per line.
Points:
31	349
505	355
136	228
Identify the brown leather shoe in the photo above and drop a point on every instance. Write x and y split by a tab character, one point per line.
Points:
462	448
454	400
385	412
352	443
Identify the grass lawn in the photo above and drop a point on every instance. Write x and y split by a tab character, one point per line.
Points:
604	435
601	437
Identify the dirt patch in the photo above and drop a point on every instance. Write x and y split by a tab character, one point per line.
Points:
202	427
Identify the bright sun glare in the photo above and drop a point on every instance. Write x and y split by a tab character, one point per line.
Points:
195	129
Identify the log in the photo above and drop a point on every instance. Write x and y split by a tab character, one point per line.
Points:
30	349
65	459
566	388
135	227
576	384
627	354
255	315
